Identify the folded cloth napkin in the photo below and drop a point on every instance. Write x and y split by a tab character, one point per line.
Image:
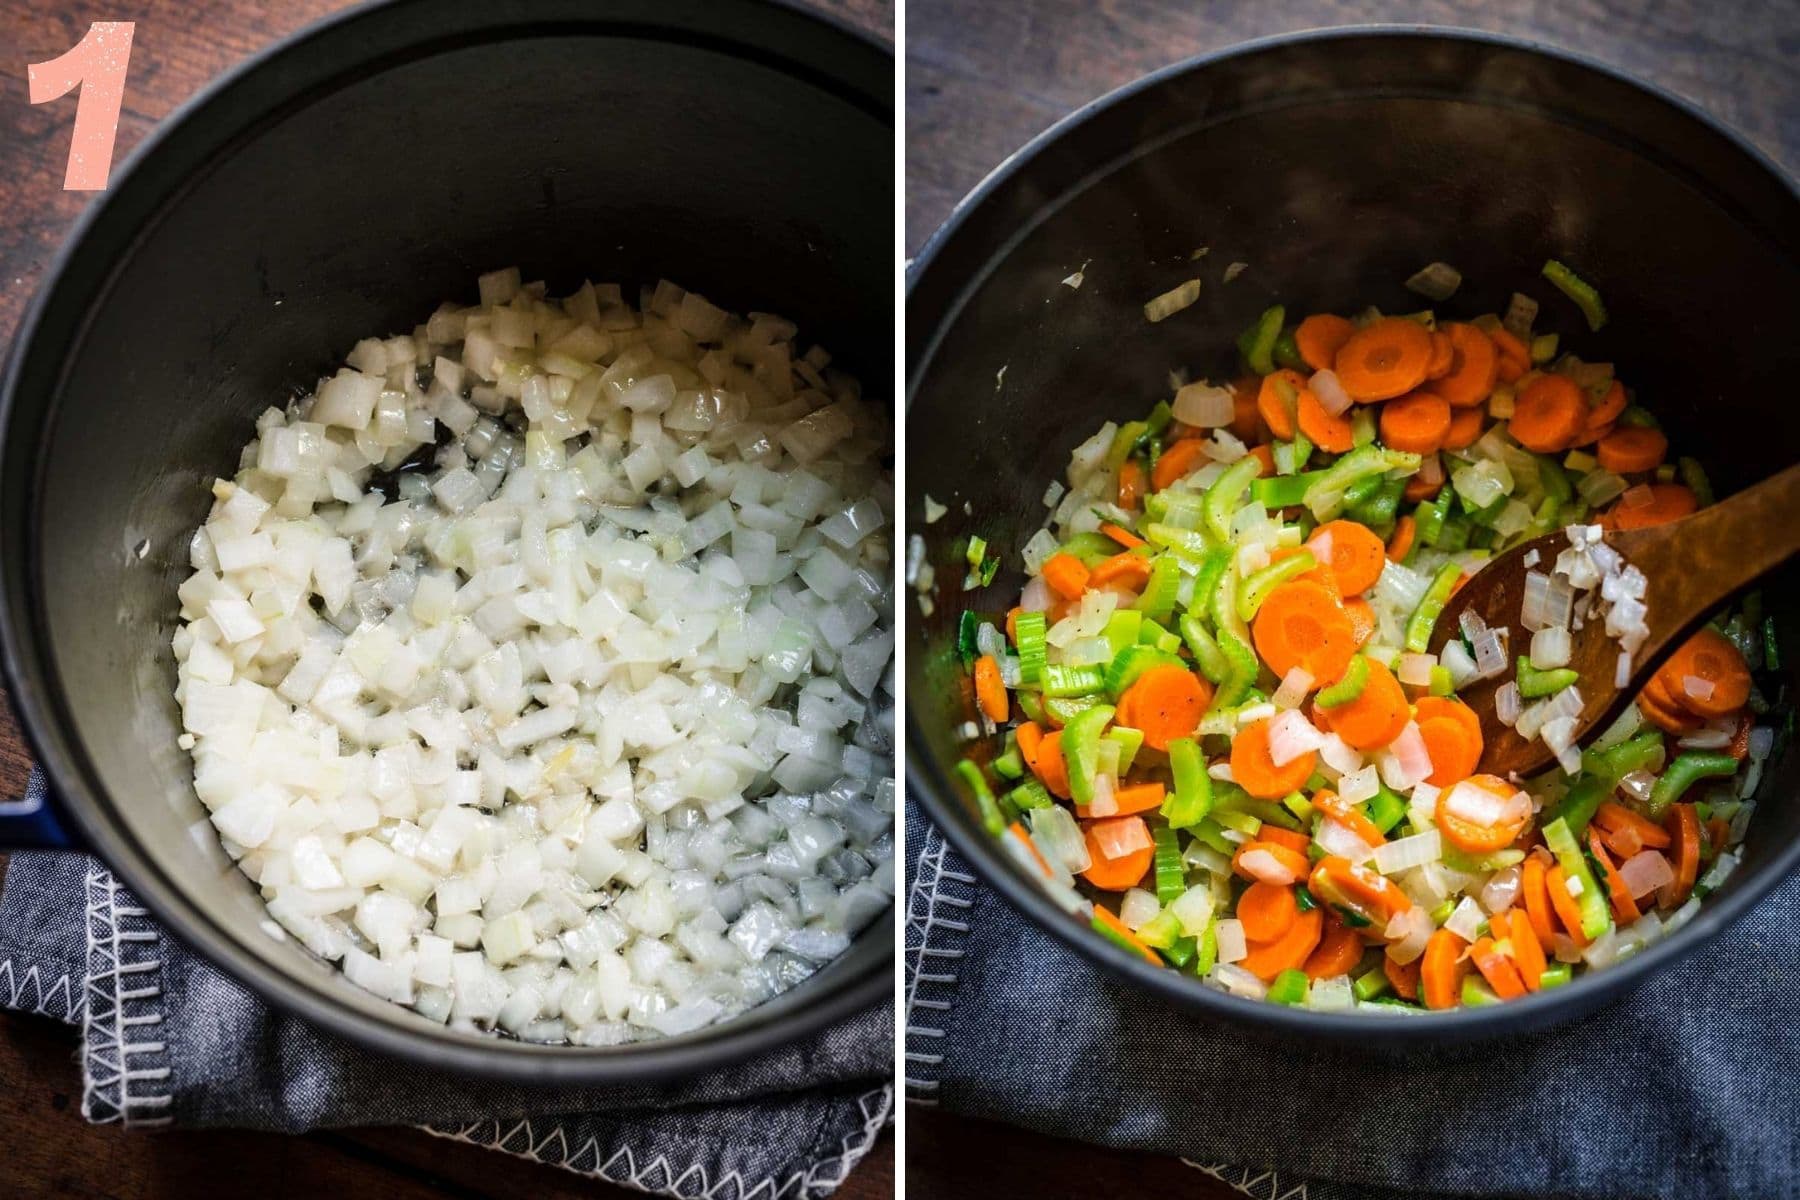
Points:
169	1040
1686	1088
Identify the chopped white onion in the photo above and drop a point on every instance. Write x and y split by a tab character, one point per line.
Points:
1342	841
1293	690
1403	854
1645	871
1465	919
1330	392
1233	945
1203	406
1407	933
1415	669
1291	735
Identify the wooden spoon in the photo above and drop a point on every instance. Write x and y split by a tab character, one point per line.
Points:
1692	566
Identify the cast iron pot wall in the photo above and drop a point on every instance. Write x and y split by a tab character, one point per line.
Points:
340	186
1335	165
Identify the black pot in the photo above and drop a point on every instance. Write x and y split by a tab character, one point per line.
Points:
1335	164
338	185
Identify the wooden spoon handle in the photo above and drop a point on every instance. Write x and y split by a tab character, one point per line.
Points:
1695	563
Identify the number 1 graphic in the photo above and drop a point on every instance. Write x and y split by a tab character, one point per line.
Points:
97	62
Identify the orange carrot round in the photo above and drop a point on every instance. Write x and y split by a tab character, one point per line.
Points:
1400	545
1454	754
1348	815
1632	449
1602	415
1624	905
1711	656
1278	401
1404	977
1668	502
1050	767
1465	429
1357	555
1549	414
1338	951
1473	362
1267	910
1446	706
1385	359
1416	422
1511	347
1177	460
1269	862
1166	702
1568	912
1441	970
1115	874
1066	575
1613	815
1536	896
1527	951
1257	773
990	693
1443	355
1365	892
1333	433
1664	716
1377	716
1417	489
1293	839
1246	422
1030	736
1473	838
1500	971
1289	951
1129	799
1362	618
1320	337
1131	484
1684	828
1121	535
1132	568
1265	460
1302	624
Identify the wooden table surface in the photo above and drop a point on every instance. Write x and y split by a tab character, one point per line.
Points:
983	78
50	1150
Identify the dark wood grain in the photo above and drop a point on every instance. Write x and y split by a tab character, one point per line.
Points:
983	78
50	1150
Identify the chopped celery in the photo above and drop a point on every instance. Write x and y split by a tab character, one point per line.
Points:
1283	491
1476	994
1371	983
1349	686
1326	495
991	817
1030	629
1206	584
1211	834
1158	599
1161	931
1442	684
1638	415
1583	293
1299	805
1554	480
1595	917
1188	543
1243	665
1010	764
1130	741
1694	475
1253	591
1543	348
1240	822
1171	879
1290	987
1182	952
1031	794
1063	680
1122	940
1535	684
1207	654
1257	343
1206	949
1556	975
1176	508
1032	705
1081	750
1223	496
1615	762
1431	516
1362	425
1152	634
1125	443
1122	629
1287	352
1385	809
1091	548
967	647
1424	617
1192	796
1235	799
1063	709
1687	769
1160	416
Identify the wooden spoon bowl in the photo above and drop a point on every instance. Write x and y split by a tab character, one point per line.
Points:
1691	566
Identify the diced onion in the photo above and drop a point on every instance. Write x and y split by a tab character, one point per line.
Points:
1330	392
1290	736
1116	839
1162	307
1294	687
1465	920
1233	945
1645	871
1403	854
1342	841
1203	406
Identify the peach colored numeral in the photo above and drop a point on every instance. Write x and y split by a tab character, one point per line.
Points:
97	62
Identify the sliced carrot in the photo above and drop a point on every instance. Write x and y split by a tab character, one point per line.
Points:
1302	624
1443	355
1510	346
1320	337
1115	874
1500	971
1362	618
1441	970
1740	740
1429	707
1121	535
1472	367
1012	623
1377	716
1483	839
1176	461
1527	951
990	693
1246	422
1132	568
1663	716
1400	545
1613	815
1602	415
1536	895
1508	370
1417	489
1289	951
1166	702
1549	414
1711	656
1668	502
1416	422
1120	930
1623	903
1134	798
1293	839
1632	449
1357	555
1050	767
1367	893
1684	822
1029	736
1568	912
1278	401
1332	432
1257	773
1465	428
1454	754
1269	862
1267	910
1131	484
1066	575
1404	977
1384	359
1348	815
1338	951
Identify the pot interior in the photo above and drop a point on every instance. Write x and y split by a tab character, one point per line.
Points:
1334	168
342	189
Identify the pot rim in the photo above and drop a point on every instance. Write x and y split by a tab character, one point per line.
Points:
935	792
47	722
